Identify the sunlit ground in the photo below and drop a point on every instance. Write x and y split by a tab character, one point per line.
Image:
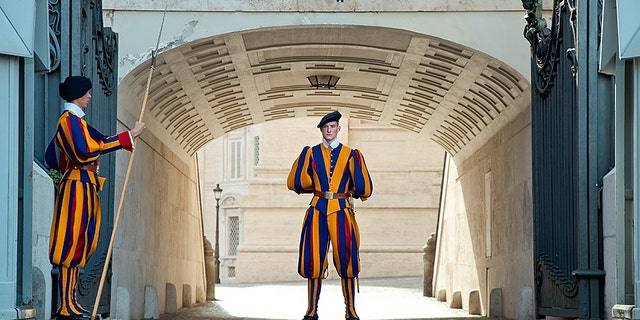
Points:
388	298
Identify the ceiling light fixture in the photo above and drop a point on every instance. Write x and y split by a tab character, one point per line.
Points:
323	81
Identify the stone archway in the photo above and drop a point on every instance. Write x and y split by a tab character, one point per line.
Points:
447	92
456	96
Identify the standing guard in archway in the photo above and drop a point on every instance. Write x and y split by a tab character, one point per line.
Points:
335	174
74	151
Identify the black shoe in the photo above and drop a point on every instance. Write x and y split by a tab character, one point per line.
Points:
309	318
353	318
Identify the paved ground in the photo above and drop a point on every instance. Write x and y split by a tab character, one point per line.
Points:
379	298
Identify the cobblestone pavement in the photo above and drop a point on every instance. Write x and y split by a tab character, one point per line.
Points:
379	298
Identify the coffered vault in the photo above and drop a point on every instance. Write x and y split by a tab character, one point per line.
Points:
452	94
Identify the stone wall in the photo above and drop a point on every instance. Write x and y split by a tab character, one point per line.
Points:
476	25
43	207
159	240
485	240
321	5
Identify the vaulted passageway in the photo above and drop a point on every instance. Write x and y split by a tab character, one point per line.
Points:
456	96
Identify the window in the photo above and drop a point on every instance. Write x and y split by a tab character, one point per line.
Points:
256	150
233	235
235	159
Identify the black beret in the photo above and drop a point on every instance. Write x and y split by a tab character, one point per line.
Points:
74	87
333	116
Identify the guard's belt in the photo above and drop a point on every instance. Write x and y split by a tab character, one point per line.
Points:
330	195
89	167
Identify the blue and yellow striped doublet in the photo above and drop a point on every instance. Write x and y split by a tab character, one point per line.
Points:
341	170
332	175
76	221
75	227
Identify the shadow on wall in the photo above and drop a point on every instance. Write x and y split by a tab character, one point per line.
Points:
484	259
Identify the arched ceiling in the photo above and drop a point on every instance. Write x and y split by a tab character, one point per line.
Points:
206	88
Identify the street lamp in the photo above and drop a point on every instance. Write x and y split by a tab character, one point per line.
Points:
217	193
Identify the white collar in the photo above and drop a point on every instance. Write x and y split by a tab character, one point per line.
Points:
68	106
333	144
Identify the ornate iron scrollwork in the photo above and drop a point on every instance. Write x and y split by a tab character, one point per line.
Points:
106	43
545	42
84	46
93	274
545	268
54	34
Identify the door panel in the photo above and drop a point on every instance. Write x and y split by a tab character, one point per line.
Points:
569	160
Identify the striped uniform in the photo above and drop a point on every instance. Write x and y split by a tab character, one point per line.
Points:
339	170
76	221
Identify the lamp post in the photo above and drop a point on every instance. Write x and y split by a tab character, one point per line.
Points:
217	193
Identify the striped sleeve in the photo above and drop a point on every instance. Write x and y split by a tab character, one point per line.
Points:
84	144
362	183
300	177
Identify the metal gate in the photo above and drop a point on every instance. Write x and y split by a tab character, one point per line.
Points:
80	45
572	140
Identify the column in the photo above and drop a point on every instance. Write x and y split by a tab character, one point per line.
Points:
636	186
9	83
